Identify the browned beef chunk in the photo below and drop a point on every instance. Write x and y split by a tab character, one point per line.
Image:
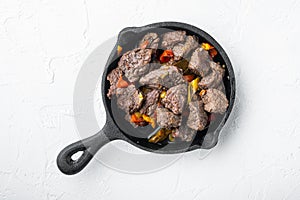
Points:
176	98
184	133
172	38
183	49
113	78
150	40
167	119
167	76
197	119
215	101
215	78
128	99
134	74
200	62
134	63
150	103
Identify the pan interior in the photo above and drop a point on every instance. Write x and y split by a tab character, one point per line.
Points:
128	40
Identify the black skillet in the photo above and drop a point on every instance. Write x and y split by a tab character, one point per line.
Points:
118	128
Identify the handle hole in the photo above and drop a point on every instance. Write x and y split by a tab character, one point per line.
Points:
76	155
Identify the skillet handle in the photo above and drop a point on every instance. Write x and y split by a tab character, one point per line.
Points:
89	148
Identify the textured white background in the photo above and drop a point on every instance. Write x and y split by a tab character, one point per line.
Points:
43	44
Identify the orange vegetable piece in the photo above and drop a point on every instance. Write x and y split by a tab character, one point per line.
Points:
136	118
202	92
166	56
189	77
213	52
122	83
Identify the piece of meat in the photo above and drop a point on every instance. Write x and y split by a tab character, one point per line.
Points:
134	63
150	103
175	99
135	58
150	40
182	50
214	101
113	78
171	38
184	133
167	119
129	99
134	74
167	76
197	119
214	79
200	62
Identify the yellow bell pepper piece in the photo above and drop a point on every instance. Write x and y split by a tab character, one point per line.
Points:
163	94
194	84
119	50
206	46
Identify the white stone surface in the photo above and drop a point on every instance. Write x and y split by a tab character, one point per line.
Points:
43	44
